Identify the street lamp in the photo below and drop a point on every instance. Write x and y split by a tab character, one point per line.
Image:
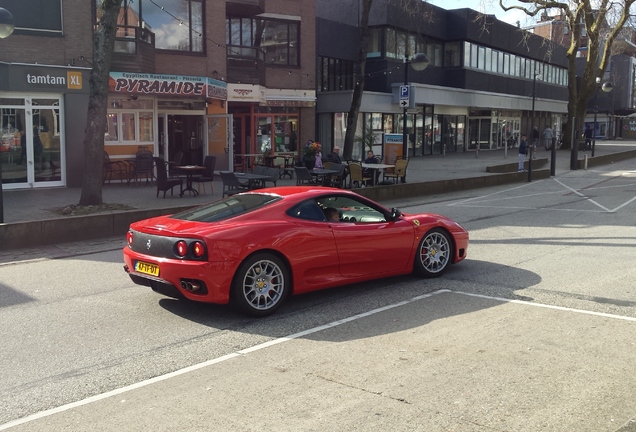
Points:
6	28
531	134
419	62
606	87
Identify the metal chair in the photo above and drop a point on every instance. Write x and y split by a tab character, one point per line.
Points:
142	167
208	176
303	177
164	183
111	168
231	184
338	180
273	174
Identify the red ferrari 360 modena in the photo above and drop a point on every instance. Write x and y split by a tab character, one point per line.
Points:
256	248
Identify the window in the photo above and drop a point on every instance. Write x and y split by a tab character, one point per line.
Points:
334	74
351	210
276	40
129	121
375	43
177	24
46	21
452	54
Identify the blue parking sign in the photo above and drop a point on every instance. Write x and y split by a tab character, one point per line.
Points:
404	92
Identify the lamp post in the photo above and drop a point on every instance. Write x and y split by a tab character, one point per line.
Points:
6	28
419	62
531	134
606	87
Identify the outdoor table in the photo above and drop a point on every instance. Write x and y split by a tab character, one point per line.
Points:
190	171
254	179
378	166
321	173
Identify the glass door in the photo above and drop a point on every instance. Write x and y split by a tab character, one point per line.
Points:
45	141
219	140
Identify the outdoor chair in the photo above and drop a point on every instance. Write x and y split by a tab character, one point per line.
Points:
273	174
398	172
176	161
338	180
142	167
259	169
112	169
208	176
303	176
357	178
231	184
165	183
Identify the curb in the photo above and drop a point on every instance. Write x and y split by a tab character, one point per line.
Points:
78	228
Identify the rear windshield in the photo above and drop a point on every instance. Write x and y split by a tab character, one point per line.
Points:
227	208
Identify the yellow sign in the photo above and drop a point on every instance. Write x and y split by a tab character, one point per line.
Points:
74	80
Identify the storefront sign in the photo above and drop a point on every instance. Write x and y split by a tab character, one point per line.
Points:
164	85
217	89
290	98
245	93
57	79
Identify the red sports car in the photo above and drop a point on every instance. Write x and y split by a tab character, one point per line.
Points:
256	248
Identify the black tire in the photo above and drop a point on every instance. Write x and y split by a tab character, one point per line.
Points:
434	253
261	285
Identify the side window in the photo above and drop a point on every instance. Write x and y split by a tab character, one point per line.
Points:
308	210
351	209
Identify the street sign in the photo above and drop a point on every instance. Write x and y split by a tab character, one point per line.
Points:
404	92
404	103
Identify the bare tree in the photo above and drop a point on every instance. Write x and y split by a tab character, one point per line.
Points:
103	44
358	85
582	15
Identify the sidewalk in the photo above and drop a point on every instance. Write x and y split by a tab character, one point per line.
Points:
22	206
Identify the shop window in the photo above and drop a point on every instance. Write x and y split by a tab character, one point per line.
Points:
35	17
128	126
111	128
145	127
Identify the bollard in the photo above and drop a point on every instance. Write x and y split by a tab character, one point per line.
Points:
477	151
585	162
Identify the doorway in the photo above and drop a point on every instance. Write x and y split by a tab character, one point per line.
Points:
181	135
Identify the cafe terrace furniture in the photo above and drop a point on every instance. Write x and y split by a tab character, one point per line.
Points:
357	178
164	183
398	172
142	167
303	176
113	170
323	175
254	180
231	184
208	175
388	169
190	171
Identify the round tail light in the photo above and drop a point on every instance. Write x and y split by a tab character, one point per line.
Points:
129	238
182	248
198	249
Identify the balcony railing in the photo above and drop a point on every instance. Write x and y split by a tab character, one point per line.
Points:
245	65
134	50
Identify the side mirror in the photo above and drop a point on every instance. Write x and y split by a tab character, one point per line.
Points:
395	213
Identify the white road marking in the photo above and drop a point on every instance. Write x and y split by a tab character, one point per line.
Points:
115	392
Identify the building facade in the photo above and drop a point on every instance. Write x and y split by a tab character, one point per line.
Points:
189	78
478	91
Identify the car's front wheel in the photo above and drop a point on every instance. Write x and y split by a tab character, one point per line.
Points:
261	285
434	253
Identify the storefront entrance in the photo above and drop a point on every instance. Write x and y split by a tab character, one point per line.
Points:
30	142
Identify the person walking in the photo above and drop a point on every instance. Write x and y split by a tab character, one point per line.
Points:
547	137
588	137
523	152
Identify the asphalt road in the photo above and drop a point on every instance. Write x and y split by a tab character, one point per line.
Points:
534	331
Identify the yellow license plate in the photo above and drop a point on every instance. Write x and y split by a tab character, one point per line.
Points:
147	268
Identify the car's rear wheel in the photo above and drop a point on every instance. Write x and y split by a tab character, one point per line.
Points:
261	285
434	253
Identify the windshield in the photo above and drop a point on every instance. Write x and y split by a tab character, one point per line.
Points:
227	208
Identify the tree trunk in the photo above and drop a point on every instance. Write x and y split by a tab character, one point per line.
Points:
358	88
103	44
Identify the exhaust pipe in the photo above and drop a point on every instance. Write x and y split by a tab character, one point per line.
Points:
190	286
